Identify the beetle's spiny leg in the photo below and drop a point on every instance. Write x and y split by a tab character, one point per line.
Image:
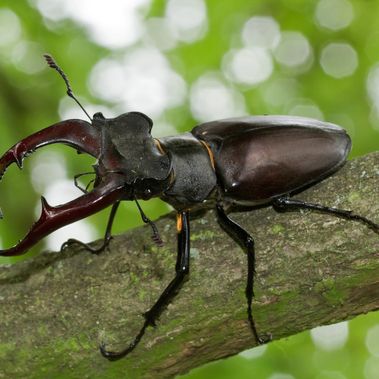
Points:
107	237
155	236
283	204
182	271
243	238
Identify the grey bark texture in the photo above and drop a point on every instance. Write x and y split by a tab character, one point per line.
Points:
312	269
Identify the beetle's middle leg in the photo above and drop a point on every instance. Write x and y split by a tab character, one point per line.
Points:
244	239
182	271
107	236
282	204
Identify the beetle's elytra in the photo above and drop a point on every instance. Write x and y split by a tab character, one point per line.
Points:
257	160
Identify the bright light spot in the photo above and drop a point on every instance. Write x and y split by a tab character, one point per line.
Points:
372	340
10	27
26	56
212	99
330	337
59	192
280	375
248	65
256	352
144	82
48	167
306	108
334	14
54	10
81	230
371	368
108	79
372	85
111	23
281	91
339	60
188	19
261	31
293	50
160	33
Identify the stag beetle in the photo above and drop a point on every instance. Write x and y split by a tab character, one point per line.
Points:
249	161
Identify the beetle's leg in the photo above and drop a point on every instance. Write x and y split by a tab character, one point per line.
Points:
182	271
107	236
78	186
283	204
155	236
243	238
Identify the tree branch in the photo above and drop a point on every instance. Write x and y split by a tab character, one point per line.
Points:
312	269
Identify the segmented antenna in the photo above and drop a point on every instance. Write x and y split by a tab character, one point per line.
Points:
51	62
156	238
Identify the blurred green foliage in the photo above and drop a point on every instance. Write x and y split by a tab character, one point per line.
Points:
30	94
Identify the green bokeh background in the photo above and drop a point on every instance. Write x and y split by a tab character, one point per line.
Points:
29	101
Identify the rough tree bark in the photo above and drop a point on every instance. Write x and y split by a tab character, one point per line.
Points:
312	270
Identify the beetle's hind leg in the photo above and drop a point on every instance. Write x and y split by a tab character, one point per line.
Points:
107	236
182	271
243	238
283	204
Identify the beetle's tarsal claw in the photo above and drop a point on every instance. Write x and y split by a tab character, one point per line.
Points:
264	339
114	356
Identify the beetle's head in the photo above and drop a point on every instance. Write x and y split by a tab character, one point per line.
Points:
130	164
129	149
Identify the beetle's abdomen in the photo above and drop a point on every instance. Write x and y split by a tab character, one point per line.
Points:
257	160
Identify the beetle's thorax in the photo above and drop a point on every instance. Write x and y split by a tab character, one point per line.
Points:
129	150
194	177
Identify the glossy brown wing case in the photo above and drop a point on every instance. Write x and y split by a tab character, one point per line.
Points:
260	158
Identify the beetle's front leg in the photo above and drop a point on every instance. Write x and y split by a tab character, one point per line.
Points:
243	238
283	204
182	271
107	236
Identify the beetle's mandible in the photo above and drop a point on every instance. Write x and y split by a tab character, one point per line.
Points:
250	161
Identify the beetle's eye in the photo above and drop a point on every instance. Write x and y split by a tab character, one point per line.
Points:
99	115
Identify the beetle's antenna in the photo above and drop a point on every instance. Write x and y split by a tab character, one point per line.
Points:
155	236
51	62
